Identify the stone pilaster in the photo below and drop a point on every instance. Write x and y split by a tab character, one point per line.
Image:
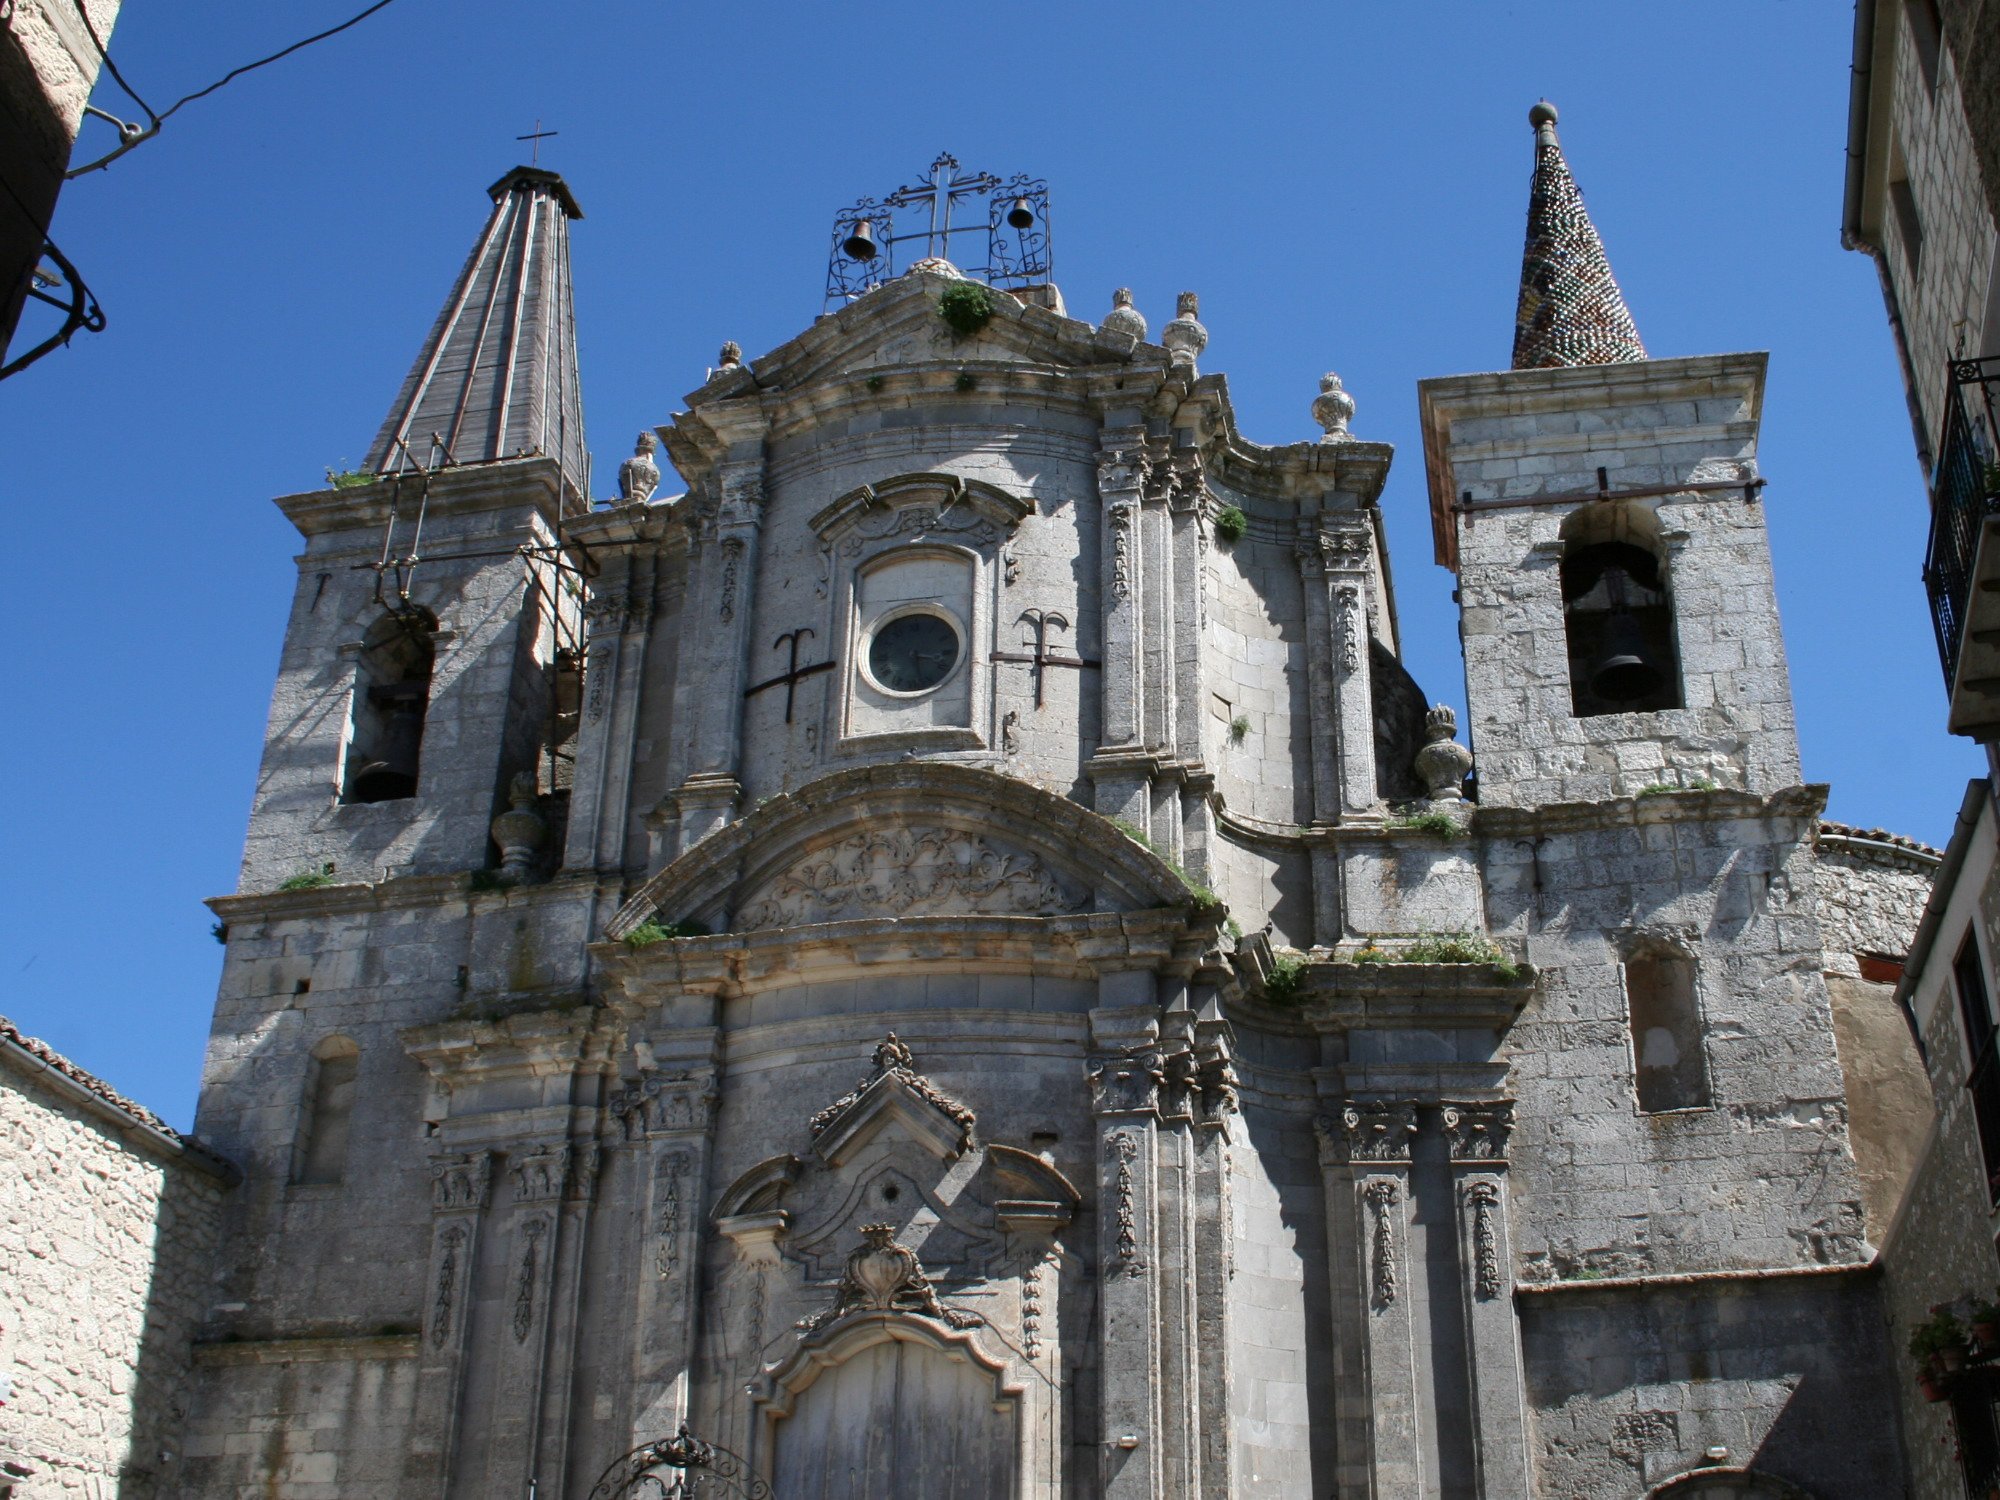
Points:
461	1188
1126	1082
1213	1098
667	1118
531	1243
1346	555
619	616
1365	1157
1122	469
1156	615
718	633
1477	1134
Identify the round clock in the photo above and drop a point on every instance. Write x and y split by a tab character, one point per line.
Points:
913	653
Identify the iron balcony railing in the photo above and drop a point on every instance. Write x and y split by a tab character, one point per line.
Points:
1965	490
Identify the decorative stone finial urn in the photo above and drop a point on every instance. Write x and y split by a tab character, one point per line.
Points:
731	357
639	476
520	831
1333	409
1185	338
1124	317
1443	763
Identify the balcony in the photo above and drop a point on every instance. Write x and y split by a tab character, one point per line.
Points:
1962	567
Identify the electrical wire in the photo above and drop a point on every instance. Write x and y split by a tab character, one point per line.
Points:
110	66
235	73
133	135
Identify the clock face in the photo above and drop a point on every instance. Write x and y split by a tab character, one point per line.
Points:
913	653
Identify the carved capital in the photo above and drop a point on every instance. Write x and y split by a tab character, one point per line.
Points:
1478	1130
459	1183
1123	465
540	1173
1125	1083
667	1104
1373	1130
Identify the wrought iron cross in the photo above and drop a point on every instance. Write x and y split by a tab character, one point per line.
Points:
1040	658
942	189
789	678
538	135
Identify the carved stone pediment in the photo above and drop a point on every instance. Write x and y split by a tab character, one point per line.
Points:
909	870
931	506
894	1093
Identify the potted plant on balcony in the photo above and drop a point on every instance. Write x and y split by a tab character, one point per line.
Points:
1986	1325
1930	1343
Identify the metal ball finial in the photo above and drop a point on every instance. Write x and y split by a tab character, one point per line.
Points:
1544	113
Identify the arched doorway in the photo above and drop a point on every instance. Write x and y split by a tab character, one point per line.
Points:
889	1409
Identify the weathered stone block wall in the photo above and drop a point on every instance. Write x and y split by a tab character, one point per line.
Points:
1762	1175
107	1259
1628	1387
1942	295
1937	1251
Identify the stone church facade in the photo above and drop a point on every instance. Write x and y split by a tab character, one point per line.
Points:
953	959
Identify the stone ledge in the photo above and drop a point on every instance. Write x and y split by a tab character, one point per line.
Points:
1713	805
297	1351
1694	1278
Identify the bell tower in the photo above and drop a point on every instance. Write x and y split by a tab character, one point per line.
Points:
423	672
1602	512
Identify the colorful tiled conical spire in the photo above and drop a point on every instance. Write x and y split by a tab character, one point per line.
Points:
497	377
1571	311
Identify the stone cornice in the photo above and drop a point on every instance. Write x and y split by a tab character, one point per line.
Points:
533	1044
341	1348
1806	801
400	893
1388	996
1668	1280
536	482
727	965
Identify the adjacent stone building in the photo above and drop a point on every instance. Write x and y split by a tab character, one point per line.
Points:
50	53
952	958
1923	200
108	1223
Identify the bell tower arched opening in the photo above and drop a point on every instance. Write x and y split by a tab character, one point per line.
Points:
392	691
1618	614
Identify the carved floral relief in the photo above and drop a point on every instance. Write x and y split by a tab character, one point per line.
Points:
909	871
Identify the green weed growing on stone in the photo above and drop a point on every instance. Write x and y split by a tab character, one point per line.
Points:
1441	948
1231	523
1239	729
1286	981
1441	824
308	880
345	478
653	930
966	307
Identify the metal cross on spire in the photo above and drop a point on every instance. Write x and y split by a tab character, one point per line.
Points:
537	135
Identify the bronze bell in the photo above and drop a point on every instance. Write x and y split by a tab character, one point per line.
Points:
1020	216
860	244
1624	671
393	773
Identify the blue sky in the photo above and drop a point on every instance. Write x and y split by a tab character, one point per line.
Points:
1344	185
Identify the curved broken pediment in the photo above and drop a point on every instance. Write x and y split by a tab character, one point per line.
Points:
913	840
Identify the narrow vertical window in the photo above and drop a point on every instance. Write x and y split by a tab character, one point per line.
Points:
1618	616
392	691
320	1155
1927	32
1670	1065
1982	1081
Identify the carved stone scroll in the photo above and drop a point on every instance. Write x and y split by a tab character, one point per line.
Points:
1383	1194
1485	1200
1131	1259
526	1278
